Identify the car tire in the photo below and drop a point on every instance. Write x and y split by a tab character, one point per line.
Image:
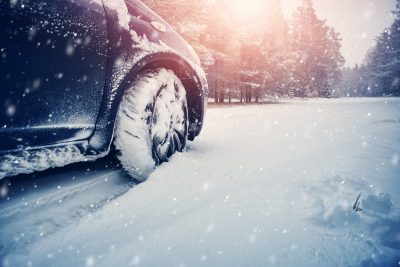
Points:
152	122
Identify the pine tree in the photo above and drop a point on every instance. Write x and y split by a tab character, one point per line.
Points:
383	60
318	57
333	64
277	55
394	53
378	65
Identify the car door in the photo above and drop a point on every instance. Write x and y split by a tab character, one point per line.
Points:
53	57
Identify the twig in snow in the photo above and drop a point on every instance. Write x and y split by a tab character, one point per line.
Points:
356	205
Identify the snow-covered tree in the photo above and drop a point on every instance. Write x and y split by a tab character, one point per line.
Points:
383	61
317	49
277	54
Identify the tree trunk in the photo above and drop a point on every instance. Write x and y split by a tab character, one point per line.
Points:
250	95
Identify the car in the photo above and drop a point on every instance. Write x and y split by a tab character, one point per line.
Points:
80	75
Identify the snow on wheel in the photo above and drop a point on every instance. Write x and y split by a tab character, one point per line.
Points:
151	123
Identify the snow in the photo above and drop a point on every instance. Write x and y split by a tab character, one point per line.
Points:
124	18
263	185
28	161
56	200
120	7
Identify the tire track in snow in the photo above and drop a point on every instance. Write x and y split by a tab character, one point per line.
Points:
38	205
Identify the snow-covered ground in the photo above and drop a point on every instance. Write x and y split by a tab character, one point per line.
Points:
267	185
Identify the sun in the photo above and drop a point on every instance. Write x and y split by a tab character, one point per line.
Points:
247	9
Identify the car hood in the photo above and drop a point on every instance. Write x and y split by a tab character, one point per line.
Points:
171	38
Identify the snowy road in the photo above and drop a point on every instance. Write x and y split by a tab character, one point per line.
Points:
268	185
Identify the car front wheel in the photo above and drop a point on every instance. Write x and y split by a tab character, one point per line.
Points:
151	123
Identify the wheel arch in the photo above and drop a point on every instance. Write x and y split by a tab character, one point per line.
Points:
193	81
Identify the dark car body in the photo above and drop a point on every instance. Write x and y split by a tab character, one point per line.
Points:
65	65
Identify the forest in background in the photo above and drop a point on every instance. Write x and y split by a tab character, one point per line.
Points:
379	74
266	55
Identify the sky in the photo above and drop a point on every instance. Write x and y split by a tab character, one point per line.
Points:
358	21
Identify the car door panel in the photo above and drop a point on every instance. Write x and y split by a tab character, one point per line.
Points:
53	57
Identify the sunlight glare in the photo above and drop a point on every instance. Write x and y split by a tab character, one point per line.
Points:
246	9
